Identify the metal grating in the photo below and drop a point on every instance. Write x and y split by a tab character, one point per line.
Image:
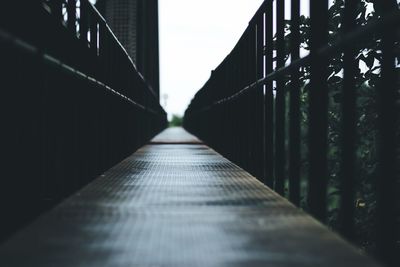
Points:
177	205
175	135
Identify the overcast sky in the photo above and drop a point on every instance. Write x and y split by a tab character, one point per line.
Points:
195	36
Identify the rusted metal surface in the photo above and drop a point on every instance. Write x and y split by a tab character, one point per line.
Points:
177	205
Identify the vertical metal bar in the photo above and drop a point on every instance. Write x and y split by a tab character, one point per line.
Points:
93	33
141	36
56	9
71	12
103	52
254	98
269	98
260	98
249	76
83	20
294	115
388	178
318	110
280	101
346	213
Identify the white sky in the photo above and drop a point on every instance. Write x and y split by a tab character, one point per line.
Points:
195	36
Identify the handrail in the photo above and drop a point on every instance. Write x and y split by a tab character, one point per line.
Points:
25	47
92	17
244	109
75	105
103	20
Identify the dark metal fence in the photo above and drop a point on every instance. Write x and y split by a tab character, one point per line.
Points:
252	109
73	104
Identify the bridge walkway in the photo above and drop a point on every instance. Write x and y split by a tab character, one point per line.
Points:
176	202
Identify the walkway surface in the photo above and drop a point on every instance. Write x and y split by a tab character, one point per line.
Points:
176	202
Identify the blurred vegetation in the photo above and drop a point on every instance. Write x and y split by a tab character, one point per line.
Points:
176	121
368	58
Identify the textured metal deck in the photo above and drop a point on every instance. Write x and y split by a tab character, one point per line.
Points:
175	135
177	205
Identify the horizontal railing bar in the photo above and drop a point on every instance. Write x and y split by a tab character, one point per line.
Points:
22	45
104	22
326	51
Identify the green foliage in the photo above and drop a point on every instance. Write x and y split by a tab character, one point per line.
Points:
368	58
176	121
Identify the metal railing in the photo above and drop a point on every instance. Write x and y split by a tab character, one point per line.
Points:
264	98
74	104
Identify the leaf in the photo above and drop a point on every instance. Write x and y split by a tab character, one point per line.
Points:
369	60
337	98
335	79
335	193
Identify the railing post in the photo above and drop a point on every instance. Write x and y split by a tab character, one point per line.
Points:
252	105
318	111
294	112
248	104
56	9
83	20
346	215
260	99
387	180
280	101
71	12
93	33
269	98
